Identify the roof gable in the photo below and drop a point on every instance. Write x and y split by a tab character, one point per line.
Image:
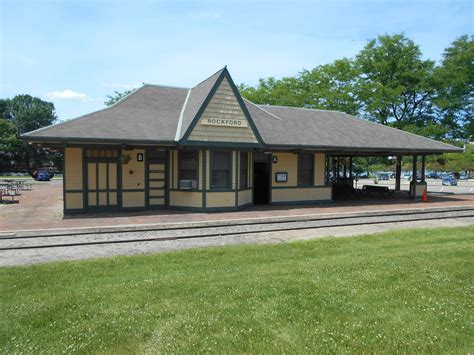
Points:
222	107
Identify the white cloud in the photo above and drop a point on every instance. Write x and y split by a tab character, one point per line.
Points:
67	95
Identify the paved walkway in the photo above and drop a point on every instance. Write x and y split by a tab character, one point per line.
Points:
41	208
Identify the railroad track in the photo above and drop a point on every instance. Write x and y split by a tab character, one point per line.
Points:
222	228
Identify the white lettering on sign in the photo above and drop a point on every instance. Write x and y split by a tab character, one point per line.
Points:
223	122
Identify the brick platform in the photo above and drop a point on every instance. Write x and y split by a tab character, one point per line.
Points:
41	208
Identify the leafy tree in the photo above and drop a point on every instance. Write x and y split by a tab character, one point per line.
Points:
19	115
396	86
455	100
329	87
117	96
458	162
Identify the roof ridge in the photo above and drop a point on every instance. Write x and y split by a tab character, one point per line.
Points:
302	108
181	114
260	108
166	86
202	81
87	114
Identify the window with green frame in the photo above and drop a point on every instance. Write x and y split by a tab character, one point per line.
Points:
221	163
244	167
305	169
188	163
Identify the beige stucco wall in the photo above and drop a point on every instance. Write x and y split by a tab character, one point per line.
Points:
223	105
74	200
286	162
244	197
136	180
220	199
185	199
303	194
133	178
133	199
319	169
73	168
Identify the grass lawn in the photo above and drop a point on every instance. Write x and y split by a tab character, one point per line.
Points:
406	291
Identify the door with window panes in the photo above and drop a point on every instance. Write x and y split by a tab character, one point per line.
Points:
102	179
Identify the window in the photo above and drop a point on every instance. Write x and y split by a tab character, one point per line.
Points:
244	166
102	153
305	169
188	165
220	170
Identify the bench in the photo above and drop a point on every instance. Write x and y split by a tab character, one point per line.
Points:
378	191
8	193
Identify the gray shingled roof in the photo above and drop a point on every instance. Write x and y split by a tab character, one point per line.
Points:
333	130
196	98
151	115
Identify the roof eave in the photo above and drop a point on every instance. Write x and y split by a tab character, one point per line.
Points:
64	140
421	151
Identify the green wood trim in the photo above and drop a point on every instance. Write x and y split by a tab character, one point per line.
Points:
237	175
221	144
206	101
204	177
244	108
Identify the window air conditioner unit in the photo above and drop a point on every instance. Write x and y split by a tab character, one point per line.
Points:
187	184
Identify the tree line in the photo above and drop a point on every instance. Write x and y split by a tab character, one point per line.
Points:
388	82
19	115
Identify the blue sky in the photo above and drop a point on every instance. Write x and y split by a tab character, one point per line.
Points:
75	52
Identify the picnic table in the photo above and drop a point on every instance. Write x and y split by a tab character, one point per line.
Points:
10	188
377	191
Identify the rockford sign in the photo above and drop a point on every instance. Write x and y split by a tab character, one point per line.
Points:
224	122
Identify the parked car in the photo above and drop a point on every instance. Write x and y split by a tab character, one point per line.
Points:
384	176
463	176
449	181
432	175
407	176
43	176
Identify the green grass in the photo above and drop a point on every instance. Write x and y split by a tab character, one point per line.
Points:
407	291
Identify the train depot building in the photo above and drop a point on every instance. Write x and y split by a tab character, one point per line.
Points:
208	149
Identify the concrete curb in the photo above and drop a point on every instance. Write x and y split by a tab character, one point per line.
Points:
225	223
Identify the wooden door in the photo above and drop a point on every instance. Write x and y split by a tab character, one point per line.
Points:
102	190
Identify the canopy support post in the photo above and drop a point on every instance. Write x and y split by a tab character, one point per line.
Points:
423	163
413	178
398	172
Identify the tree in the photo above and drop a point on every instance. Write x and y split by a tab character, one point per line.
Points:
396	86
458	162
455	99
117	96
328	87
19	115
